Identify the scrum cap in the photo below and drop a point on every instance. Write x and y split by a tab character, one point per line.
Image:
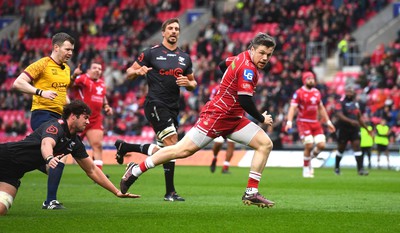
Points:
307	75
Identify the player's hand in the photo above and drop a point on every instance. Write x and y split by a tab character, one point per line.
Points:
182	81
108	110
288	126
55	160
77	71
127	195
143	70
49	94
268	119
331	127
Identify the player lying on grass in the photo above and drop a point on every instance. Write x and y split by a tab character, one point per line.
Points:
48	144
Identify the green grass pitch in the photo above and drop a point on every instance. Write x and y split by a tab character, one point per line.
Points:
327	203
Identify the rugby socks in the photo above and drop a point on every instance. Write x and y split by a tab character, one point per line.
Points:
98	163
146	149
53	181
306	161
169	170
338	159
143	167
252	183
359	160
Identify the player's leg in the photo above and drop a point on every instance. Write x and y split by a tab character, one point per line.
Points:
95	137
54	175
369	153
169	170
218	142
193	141
7	196
379	151
342	138
308	142
305	132
253	136
230	148
355	143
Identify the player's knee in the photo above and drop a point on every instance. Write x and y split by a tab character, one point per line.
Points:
6	201
167	134
96	145
266	146
320	139
309	139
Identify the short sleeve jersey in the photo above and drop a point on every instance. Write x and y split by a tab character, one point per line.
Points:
307	102
46	74
92	92
350	109
27	152
240	78
166	66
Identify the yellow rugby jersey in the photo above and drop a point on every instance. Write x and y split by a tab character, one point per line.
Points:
46	74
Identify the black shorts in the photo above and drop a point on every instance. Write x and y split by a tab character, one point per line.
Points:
159	116
10	173
348	134
381	148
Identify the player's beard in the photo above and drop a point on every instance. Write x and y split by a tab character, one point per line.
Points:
310	86
172	42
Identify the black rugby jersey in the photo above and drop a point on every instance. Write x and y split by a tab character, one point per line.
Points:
166	66
350	109
27	152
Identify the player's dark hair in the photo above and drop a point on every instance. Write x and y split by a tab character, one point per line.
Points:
263	39
168	22
60	38
76	107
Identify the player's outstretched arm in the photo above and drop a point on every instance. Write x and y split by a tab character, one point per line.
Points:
98	176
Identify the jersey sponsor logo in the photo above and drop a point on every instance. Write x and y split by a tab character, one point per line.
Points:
245	86
71	146
248	75
161	58
172	72
99	90
59	86
171	55
181	61
52	129
313	100
233	65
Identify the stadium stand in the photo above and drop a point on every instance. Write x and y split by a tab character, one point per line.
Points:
113	31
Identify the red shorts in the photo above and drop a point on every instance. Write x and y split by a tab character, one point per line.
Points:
309	128
220	125
95	123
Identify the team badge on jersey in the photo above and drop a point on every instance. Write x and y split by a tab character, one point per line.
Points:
52	129
248	75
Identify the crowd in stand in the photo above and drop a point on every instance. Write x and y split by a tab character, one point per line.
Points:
124	24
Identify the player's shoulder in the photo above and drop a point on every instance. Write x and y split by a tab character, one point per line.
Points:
155	47
54	126
315	90
42	61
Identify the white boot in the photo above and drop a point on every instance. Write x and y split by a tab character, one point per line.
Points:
307	173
